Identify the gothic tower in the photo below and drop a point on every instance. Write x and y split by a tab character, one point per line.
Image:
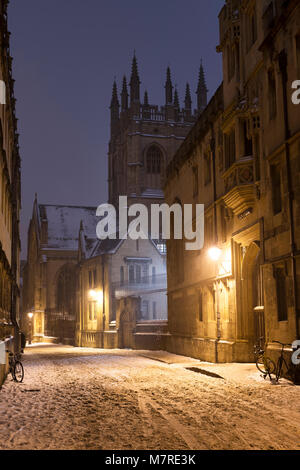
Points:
144	137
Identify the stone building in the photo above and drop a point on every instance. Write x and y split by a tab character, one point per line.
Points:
50	275
131	275
242	160
122	293
144	137
10	197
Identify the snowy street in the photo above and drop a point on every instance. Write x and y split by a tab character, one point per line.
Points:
79	398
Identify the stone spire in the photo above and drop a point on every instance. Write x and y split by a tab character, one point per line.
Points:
201	91
146	99
114	110
188	99
124	95
169	88
176	99
134	82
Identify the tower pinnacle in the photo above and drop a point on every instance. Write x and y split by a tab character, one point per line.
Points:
124	95
169	88
134	82
201	90
188	99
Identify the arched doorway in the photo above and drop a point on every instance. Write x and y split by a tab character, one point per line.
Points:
252	318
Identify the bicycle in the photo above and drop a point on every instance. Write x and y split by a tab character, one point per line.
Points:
288	371
16	368
264	364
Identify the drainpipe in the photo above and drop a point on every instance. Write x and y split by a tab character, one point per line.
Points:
213	152
282	59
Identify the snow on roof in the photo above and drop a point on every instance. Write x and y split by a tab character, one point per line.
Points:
64	223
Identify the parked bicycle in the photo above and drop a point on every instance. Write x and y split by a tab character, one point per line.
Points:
283	369
264	364
16	368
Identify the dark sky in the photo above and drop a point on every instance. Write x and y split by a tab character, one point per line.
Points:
66	54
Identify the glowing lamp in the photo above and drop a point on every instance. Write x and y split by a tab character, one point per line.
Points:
96	295
30	315
214	253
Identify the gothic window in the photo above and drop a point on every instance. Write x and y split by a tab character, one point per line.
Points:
154	167
154	157
66	291
280	279
122	275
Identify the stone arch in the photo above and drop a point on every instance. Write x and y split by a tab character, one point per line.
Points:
250	278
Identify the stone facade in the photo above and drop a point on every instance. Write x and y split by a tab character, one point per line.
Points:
113	275
242	160
145	137
50	275
10	197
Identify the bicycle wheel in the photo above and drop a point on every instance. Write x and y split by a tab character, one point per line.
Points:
18	372
265	365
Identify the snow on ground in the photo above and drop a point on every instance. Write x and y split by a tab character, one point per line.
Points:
80	398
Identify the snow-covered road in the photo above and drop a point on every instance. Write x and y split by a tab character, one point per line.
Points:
78	398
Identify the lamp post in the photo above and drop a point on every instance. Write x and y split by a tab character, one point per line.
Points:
30	316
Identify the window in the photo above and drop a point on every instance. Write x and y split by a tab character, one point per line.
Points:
195	181
90	280
95	277
280	279
131	274
251	29
276	189
138	274
154	157
272	95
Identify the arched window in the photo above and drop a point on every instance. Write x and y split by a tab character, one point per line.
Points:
154	162
66	291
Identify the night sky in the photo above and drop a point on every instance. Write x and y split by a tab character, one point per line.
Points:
66	55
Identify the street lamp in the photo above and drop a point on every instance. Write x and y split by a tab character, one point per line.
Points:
30	316
214	253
